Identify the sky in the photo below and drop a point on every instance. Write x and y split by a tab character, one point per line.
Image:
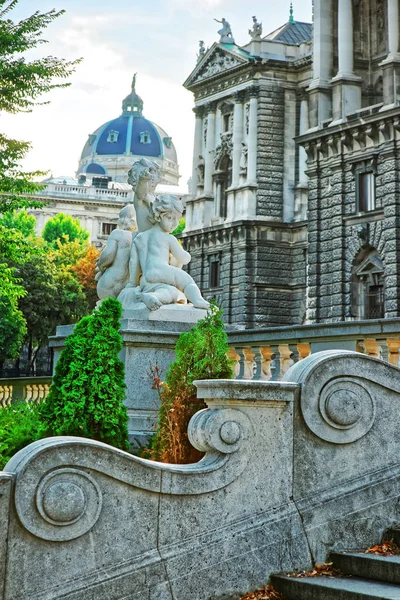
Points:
158	39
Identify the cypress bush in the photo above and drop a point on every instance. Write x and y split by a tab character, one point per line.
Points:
201	353
88	389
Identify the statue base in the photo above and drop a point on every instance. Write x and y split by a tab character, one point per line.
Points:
149	339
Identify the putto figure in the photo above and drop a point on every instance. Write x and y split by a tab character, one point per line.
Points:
156	275
256	31
113	263
144	177
202	50
225	32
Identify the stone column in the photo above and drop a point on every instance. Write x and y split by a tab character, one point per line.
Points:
346	85
304	126
391	65
252	138
237	137
210	149
197	149
393	26
320	88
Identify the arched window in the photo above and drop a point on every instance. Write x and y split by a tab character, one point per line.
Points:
368	297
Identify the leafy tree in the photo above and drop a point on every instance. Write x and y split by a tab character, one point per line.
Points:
85	270
64	228
201	353
88	389
23	82
181	226
21	221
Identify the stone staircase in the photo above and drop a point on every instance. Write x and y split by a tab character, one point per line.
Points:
366	576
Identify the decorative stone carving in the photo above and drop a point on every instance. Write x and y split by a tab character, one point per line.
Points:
224	149
256	31
220	61
144	177
243	159
218	430
156	261
200	170
113	263
225	32
67	504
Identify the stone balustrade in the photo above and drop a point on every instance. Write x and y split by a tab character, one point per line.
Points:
27	389
267	354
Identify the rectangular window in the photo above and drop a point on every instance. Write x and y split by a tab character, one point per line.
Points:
107	228
214	272
365	192
227	119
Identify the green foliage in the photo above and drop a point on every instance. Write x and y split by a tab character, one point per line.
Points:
201	353
181	226
88	389
12	328
62	229
19	426
21	221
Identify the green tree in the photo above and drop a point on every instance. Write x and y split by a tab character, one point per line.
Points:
64	228
181	226
19	426
88	389
201	353
21	221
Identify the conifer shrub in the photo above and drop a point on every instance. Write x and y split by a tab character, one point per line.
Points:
88	389
201	353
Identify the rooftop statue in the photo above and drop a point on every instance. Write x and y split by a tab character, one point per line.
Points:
202	50
256	31
113	263
225	32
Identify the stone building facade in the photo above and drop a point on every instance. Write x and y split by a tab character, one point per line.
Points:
354	162
245	225
303	225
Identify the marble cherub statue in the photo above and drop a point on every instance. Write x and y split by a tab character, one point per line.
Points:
113	263
156	275
256	31
144	177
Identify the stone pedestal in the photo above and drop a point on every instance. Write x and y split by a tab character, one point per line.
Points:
149	339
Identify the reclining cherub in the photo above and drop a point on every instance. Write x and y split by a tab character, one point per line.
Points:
158	257
113	263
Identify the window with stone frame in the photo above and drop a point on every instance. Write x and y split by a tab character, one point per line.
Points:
368	289
145	137
113	136
214	263
107	228
365	191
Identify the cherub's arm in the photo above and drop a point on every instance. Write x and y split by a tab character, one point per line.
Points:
181	256
134	266
108	255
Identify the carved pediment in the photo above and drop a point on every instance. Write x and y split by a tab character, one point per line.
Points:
217	60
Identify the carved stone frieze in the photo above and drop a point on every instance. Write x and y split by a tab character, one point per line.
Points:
219	62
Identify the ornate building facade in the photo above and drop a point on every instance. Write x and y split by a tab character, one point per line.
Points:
295	210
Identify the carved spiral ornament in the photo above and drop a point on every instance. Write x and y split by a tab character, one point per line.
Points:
221	430
345	411
66	505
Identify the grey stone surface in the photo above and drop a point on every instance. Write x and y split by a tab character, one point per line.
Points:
6	481
282	484
368	566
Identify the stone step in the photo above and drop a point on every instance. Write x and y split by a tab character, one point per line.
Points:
368	566
334	588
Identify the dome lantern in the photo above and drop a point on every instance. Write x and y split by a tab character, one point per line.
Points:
133	104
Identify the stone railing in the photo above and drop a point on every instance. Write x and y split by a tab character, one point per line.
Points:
267	354
28	389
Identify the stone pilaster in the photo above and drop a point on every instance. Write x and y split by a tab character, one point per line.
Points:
210	149
391	65
252	137
320	88
237	137
197	149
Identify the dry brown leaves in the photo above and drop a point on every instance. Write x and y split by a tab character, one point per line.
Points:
385	549
265	593
325	570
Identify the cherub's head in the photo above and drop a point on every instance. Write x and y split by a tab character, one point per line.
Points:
166	211
143	165
127	218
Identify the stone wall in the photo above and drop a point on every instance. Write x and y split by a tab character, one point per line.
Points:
292	470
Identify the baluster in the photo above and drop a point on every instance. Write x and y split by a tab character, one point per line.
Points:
294	354
2	396
231	354
370	347
46	391
286	362
394	350
242	359
257	362
248	363
383	350
266	354
35	393
28	392
276	363
304	350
